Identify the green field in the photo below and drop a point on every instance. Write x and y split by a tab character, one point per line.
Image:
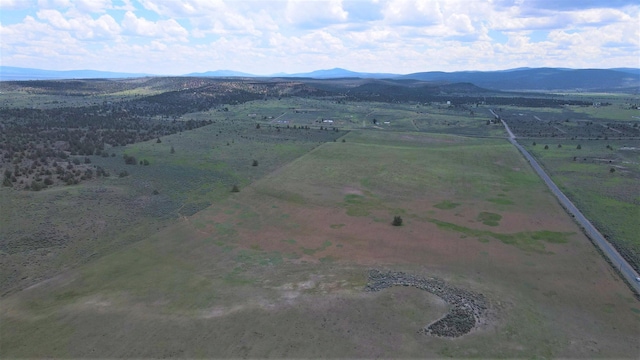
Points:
609	199
52	230
279	268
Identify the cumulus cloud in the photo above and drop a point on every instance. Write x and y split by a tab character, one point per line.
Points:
15	4
92	6
83	26
168	29
314	14
296	35
537	6
413	12
184	8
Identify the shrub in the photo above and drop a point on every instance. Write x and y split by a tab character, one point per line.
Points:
235	189
255	163
129	160
397	221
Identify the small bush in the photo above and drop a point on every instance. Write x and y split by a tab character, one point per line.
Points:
129	160
255	163
235	189
397	221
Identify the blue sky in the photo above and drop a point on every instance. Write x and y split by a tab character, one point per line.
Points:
265	37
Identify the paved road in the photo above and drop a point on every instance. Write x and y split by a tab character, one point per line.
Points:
616	259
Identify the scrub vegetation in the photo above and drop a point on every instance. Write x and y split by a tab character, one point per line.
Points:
155	254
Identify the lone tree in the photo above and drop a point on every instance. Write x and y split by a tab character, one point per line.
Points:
397	221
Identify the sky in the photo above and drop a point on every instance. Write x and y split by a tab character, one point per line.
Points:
173	37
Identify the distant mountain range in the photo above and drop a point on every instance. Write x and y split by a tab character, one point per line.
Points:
540	79
221	73
8	73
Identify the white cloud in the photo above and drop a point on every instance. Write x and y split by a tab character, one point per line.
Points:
54	4
315	14
183	8
460	23
413	12
83	26
93	6
595	17
15	4
168	29
173	36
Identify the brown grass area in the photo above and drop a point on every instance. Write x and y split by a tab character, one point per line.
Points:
279	269
568	276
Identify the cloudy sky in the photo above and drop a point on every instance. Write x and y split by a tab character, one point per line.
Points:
266	37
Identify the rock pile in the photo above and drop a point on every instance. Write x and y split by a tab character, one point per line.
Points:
468	308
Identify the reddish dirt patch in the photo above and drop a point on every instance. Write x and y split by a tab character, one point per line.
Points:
316	232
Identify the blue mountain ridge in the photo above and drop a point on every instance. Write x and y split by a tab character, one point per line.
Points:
510	79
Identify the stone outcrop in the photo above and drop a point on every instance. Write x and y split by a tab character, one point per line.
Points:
467	308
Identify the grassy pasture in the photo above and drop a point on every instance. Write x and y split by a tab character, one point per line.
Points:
278	269
48	231
432	118
609	199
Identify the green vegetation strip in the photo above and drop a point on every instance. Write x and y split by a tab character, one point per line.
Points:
526	240
489	219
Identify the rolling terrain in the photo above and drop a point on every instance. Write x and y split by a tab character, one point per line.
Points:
261	223
622	80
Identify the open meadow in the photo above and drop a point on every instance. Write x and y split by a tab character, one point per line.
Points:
279	269
202	218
